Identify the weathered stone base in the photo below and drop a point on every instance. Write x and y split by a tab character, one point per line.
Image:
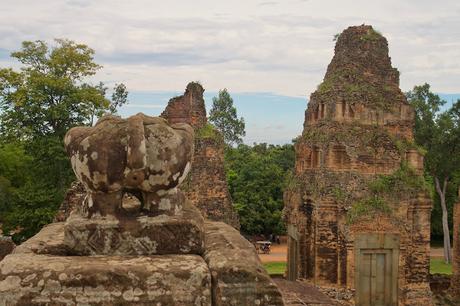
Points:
238	276
30	279
179	234
229	273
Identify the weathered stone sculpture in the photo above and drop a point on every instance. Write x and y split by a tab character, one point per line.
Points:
140	154
153	255
357	209
144	156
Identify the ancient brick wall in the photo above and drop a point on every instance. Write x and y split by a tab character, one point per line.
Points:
206	186
359	126
188	108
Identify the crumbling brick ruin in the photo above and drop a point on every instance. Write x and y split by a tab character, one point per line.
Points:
161	252
357	209
206	186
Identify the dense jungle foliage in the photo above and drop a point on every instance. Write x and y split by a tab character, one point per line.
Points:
256	176
38	104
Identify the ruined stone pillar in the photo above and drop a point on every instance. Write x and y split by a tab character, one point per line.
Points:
455	282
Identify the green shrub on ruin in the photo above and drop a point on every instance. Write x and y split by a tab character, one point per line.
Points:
208	131
368	207
291	181
371	35
403	182
354	86
339	194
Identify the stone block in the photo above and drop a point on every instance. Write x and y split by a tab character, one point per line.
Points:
30	279
141	235
6	246
49	240
238	276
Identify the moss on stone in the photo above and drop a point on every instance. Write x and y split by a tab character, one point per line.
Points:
403	183
371	35
369	207
353	86
207	131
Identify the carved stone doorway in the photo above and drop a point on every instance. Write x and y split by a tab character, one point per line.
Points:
376	268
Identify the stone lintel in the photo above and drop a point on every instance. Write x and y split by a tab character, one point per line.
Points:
238	276
31	279
144	235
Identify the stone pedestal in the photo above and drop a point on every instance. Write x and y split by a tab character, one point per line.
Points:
136	235
29	279
40	271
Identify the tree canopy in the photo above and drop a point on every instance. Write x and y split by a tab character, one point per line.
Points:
438	132
47	96
223	116
256	177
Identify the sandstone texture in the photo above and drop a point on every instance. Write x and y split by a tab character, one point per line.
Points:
358	185
50	240
238	276
206	185
72	201
141	235
6	246
141	154
229	273
29	279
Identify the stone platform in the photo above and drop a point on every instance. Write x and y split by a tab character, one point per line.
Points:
137	235
40	272
29	279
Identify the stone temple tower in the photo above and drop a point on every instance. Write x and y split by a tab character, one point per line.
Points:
357	209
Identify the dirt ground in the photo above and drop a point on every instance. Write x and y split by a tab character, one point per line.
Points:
279	253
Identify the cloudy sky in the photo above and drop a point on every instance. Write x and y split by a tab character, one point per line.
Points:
270	54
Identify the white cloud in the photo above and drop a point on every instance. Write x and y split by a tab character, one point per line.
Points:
278	46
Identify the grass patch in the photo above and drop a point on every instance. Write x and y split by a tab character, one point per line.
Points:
275	267
440	266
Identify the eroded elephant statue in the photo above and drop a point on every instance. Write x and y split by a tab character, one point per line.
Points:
142	155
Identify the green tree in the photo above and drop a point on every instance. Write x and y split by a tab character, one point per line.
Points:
256	176
38	104
223	116
49	94
438	133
